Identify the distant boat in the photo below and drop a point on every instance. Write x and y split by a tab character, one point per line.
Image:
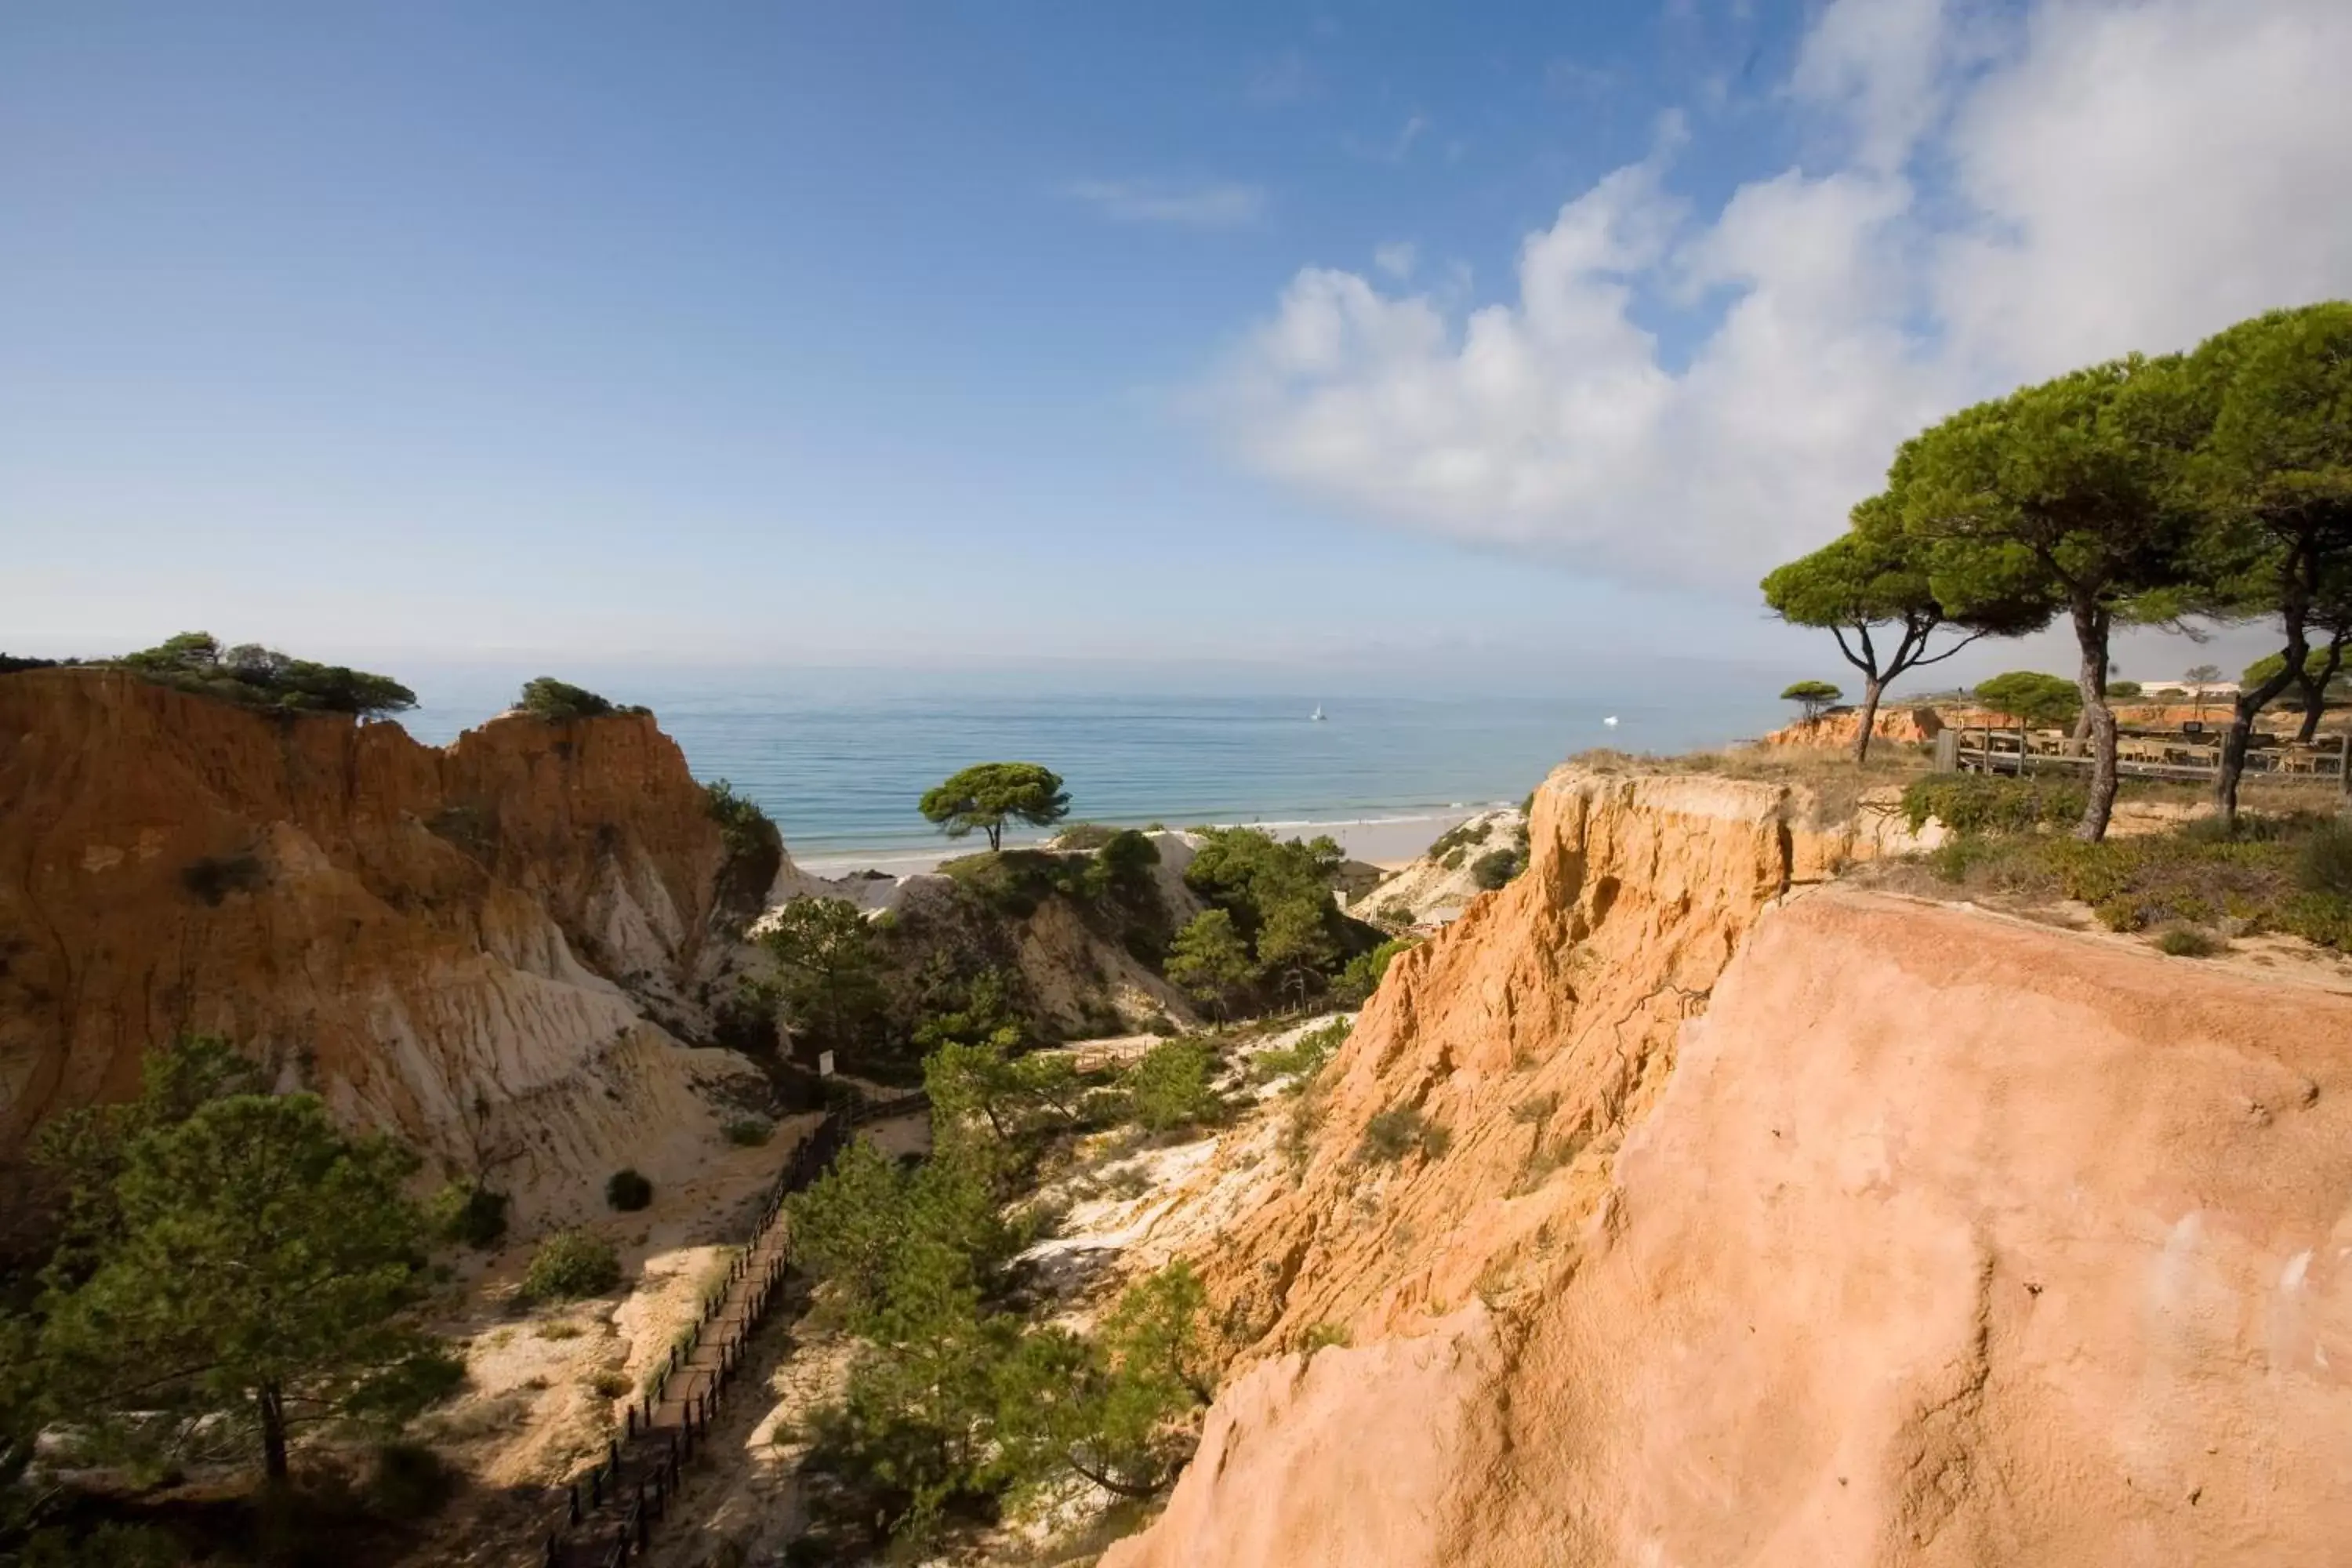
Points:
1318	715
1610	721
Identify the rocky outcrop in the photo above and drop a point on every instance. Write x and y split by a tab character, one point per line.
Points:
1838	731
468	944
1434	887
1827	1227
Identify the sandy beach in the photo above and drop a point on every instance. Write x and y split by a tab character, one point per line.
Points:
1384	841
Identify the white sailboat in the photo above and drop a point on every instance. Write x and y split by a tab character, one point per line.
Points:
1317	716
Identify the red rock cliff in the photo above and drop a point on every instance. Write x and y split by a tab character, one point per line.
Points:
1837	1228
458	943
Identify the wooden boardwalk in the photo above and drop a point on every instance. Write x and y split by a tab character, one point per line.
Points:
610	1515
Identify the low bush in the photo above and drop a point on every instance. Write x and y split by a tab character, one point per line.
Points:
609	1385
466	1213
2188	941
2258	876
1496	867
2324	866
1303	1058
1168	1087
1323	1336
1086	836
750	1131
571	1264
1392	1134
628	1190
1460	836
1988	803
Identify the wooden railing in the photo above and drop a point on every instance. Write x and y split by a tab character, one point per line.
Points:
610	1513
1982	748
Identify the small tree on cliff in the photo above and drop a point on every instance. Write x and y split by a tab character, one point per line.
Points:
239	1265
1816	697
2068	490
1872	583
1208	958
988	794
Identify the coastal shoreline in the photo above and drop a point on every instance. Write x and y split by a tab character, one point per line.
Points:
1387	842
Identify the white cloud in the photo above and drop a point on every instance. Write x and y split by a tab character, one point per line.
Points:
1396	258
1217	204
2110	174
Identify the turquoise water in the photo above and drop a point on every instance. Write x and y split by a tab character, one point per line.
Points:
843	773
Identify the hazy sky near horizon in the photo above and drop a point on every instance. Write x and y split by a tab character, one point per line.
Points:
1309	333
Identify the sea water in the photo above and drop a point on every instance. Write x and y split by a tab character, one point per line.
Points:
842	773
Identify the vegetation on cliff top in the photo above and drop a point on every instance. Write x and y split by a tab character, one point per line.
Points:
2214	484
560	702
262	678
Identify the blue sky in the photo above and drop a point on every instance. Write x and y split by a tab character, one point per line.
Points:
723	333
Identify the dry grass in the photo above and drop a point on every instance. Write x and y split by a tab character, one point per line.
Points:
1828	784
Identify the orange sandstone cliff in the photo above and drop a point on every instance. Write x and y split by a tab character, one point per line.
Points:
470	944
1783	1225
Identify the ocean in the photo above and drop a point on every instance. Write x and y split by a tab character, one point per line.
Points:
841	773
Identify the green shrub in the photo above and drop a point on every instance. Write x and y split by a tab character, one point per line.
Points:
2187	942
1168	1087
2324	866
569	1264
468	1215
1460	836
1161	1024
1365	971
1496	867
743	827
750	1131
1393	912
1392	1134
1323	1336
1303	1058
606	1384
1125	861
1086	836
1988	803
627	1190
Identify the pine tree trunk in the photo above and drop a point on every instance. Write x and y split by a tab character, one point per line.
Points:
2090	623
1871	689
2315	689
2248	707
271	1404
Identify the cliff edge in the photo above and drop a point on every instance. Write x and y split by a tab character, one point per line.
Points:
1788	1229
471	945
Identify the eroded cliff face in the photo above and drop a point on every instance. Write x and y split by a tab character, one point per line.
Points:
1939	1238
1534	1031
469	944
